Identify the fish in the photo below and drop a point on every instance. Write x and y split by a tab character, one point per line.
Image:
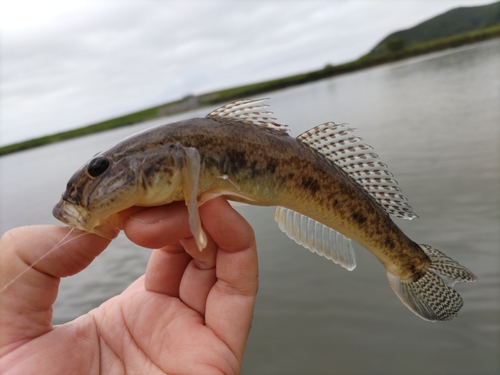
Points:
329	188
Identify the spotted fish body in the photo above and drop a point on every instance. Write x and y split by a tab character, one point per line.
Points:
329	187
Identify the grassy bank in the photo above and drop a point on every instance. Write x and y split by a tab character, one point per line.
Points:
364	62
393	52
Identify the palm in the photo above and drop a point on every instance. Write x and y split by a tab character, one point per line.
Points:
146	330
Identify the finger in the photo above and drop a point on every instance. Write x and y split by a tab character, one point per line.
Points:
165	270
167	225
230	303
199	277
205	258
159	226
27	302
162	227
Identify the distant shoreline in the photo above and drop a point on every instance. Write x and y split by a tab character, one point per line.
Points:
222	96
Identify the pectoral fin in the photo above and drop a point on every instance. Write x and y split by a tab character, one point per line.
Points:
190	180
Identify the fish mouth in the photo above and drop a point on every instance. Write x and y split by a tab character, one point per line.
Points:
80	218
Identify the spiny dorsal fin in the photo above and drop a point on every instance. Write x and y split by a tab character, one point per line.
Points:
249	110
316	237
358	160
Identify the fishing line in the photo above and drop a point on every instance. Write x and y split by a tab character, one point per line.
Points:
55	247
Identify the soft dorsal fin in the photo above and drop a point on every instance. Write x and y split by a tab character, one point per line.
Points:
357	159
248	110
316	237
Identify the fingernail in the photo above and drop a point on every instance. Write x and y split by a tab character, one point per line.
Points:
201	265
148	217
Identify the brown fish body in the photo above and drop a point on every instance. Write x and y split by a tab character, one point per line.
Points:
270	168
198	159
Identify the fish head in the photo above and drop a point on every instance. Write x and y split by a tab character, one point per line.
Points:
112	182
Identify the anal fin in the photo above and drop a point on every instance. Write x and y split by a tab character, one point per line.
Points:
316	237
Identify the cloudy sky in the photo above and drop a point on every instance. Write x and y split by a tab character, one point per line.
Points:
66	64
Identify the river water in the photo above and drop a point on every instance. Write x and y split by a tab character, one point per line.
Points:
435	120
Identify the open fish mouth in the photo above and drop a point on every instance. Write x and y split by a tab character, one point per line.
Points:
80	218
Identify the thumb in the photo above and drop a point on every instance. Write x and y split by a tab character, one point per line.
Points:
28	293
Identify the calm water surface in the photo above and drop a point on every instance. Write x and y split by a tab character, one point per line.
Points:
435	120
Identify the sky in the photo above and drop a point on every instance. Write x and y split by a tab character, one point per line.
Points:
67	64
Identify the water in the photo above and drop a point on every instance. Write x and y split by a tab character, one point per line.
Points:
435	120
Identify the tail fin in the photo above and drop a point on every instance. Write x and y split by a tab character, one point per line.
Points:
431	296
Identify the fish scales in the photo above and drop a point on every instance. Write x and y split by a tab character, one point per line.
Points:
288	173
240	152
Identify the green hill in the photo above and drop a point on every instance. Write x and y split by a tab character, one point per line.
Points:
455	21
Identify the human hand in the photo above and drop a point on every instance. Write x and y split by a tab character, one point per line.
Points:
189	314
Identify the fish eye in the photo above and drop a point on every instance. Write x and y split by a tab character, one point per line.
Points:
97	166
